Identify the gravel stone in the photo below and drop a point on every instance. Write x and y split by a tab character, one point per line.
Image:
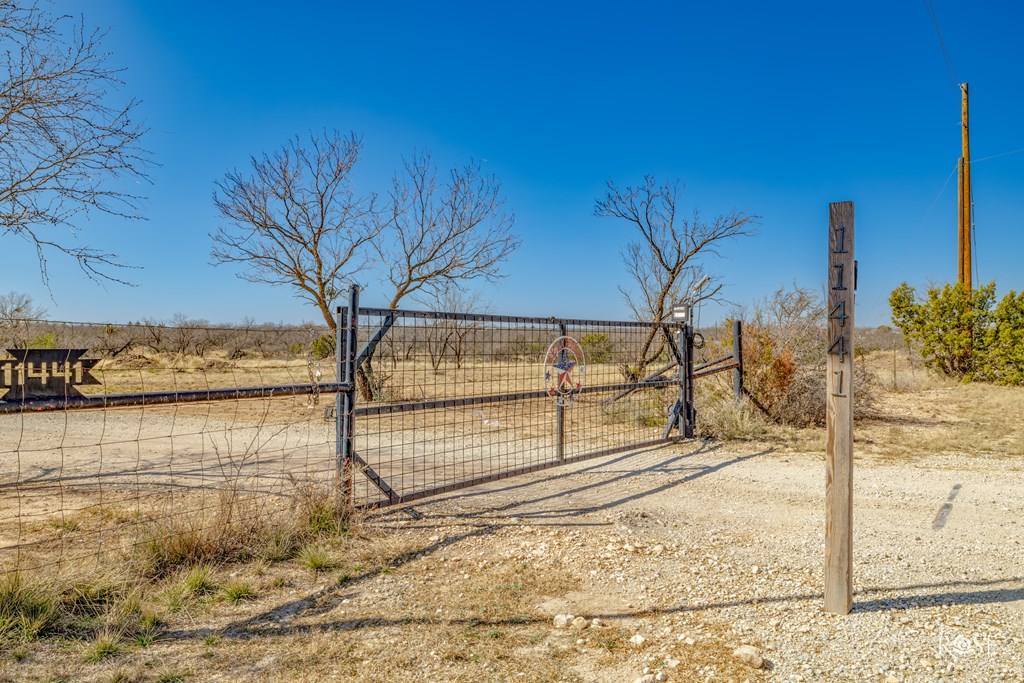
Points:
749	655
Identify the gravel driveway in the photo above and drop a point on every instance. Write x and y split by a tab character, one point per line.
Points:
698	538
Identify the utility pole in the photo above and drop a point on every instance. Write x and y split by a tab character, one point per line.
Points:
966	200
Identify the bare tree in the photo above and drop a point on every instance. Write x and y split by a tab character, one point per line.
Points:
668	259
16	310
459	333
294	220
183	334
438	337
111	340
442	234
63	145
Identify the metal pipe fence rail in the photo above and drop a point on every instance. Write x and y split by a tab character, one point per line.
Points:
153	398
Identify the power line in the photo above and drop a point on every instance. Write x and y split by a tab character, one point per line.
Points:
937	197
1001	154
950	69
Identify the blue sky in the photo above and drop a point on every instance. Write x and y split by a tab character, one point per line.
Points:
772	108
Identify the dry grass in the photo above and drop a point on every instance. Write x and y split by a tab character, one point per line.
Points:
399	608
181	567
730	421
914	413
300	589
243	526
962	420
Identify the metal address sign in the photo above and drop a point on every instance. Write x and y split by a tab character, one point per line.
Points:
45	373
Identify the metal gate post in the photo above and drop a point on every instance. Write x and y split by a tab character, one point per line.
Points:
340	337
680	406
737	357
691	407
687	412
559	408
346	415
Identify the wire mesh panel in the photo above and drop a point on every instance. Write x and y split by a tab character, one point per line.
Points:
445	400
95	483
621	413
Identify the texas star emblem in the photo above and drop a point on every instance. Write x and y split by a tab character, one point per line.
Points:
564	370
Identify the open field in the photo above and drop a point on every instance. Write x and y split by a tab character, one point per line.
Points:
697	547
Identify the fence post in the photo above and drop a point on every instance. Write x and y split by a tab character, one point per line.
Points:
737	357
559	408
842	279
691	409
346	416
681	374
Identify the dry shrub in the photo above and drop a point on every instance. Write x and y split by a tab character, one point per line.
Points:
784	364
729	420
244	526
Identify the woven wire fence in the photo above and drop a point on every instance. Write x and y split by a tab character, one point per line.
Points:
439	401
94	484
448	400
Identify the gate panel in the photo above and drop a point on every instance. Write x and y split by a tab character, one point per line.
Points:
446	400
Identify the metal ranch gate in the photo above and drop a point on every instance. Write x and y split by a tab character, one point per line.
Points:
430	402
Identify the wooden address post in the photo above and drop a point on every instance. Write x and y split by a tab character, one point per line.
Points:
839	411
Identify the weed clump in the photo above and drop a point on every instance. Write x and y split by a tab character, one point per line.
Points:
244	527
102	608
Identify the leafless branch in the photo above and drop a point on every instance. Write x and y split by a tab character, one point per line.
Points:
295	220
444	234
668	259
458	334
63	146
16	309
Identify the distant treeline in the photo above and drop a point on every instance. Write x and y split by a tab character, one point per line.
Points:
181	335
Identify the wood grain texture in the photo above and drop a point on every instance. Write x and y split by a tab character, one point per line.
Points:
966	194
961	214
839	412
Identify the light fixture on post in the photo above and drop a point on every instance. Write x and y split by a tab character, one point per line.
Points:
697	287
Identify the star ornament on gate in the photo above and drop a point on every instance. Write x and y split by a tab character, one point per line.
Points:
564	367
564	370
